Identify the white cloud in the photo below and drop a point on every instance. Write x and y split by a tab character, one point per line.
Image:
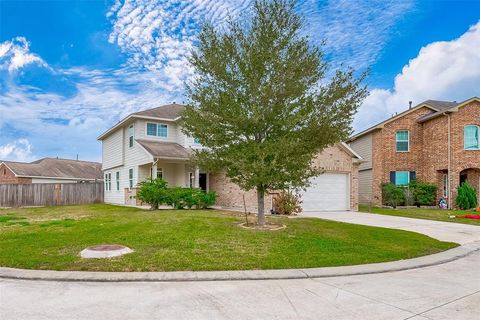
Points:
444	70
15	54
18	150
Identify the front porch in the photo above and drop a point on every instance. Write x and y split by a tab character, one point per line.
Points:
448	184
176	174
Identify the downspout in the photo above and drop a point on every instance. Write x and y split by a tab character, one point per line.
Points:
449	173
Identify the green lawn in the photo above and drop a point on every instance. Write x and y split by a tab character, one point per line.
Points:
51	238
429	214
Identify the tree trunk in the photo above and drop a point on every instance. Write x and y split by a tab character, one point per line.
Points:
261	206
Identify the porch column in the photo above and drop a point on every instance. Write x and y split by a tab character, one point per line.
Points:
197	178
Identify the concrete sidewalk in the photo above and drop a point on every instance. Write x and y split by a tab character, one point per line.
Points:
444	231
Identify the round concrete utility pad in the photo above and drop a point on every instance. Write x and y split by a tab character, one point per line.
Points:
104	251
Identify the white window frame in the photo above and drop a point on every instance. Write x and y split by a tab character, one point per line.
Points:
157	126
131	135
159	170
117	177
408	141
130	178
478	137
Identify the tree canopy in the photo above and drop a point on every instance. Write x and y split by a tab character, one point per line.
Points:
261	103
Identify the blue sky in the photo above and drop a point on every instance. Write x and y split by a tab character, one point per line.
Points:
70	69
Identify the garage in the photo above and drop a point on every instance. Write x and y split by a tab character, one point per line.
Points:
328	192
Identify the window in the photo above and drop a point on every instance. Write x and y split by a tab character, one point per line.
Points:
157	130
131	132
471	138
402	141
191	179
159	173
130	178
402	178
108	181
117	176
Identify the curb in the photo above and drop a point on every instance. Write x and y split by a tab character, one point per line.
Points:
181	276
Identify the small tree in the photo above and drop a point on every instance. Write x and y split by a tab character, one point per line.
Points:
153	192
466	196
261	104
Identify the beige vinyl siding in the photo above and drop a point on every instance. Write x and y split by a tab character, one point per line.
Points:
114	195
365	186
363	146
112	150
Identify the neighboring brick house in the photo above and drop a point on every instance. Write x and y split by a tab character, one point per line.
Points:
435	141
151	143
49	170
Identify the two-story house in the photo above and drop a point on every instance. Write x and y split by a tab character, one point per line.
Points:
435	141
151	143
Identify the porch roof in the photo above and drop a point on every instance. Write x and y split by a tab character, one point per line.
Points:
165	150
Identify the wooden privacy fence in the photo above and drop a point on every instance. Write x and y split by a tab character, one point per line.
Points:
50	194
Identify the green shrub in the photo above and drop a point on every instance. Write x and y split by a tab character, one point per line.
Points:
181	198
153	192
287	202
392	195
206	199
425	194
466	197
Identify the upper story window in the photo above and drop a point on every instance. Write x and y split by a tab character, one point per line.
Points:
157	130
131	133
471	137
402	139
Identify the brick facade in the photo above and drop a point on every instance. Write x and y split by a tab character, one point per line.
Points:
8	177
332	159
428	154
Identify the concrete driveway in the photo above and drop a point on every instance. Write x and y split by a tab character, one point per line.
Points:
445	231
447	291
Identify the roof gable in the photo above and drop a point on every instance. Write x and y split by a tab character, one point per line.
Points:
168	112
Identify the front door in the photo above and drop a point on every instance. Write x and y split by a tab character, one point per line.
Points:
202	181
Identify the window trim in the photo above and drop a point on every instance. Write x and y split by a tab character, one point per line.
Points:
117	177
159	169
157	126
130	178
131	135
478	137
407	141
445	186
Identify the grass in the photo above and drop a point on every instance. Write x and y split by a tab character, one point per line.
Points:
429	214
52	237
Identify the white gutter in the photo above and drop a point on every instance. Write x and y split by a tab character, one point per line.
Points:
449	176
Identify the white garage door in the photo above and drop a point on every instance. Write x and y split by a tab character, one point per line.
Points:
328	192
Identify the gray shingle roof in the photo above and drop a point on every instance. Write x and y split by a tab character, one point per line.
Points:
442	107
169	111
165	150
57	168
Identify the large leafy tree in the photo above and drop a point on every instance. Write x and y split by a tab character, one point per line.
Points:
260	101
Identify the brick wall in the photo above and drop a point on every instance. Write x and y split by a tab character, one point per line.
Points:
428	154
385	156
8	177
